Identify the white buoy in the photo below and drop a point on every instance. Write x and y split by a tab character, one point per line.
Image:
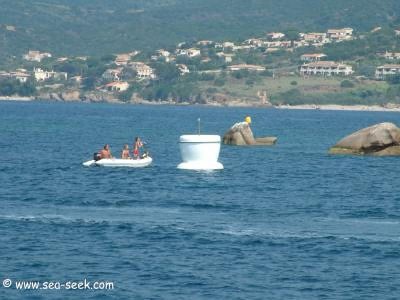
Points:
200	152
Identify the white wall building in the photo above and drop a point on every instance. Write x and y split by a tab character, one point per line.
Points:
118	86
36	55
41	75
192	52
390	55
326	68
112	74
183	69
382	72
275	35
312	57
246	67
340	34
143	71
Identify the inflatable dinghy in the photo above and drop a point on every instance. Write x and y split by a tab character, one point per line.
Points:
119	162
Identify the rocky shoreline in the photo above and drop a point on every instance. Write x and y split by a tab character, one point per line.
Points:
74	96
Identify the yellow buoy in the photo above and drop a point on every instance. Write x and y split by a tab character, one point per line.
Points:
247	120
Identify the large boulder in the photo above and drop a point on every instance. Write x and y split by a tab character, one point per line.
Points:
241	134
380	139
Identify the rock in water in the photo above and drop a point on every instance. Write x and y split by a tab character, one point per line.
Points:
241	134
380	139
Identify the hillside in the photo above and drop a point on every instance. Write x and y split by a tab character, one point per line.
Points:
96	27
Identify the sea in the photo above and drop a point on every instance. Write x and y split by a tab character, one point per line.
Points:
288	221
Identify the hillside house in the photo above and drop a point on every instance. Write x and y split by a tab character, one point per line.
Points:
192	52
162	54
20	76
117	86
247	67
255	42
41	75
183	69
278	44
390	55
275	35
297	44
326	68
226	56
205	43
340	34
62	59
316	38
382	72
34	55
122	59
112	74
143	71
397	32
312	57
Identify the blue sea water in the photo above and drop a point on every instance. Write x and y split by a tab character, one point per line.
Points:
282	222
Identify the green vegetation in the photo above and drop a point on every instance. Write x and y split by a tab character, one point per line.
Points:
100	27
10	87
346	84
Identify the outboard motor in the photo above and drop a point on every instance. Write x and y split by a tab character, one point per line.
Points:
96	156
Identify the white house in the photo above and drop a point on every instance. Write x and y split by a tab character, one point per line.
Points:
143	71
228	45
192	52
340	34
122	59
387	70
390	55
255	42
275	35
34	55
278	44
117	86
314	37
326	68
205	43
312	57
41	75
20	76
226	56
246	67
112	74
183	69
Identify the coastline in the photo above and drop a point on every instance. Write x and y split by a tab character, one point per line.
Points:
331	107
388	108
16	98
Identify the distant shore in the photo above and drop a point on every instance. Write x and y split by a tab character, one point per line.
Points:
16	98
340	107
337	107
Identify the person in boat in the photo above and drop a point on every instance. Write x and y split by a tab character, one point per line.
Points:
125	152
136	147
105	152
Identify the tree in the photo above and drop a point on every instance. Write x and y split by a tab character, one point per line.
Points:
292	35
167	72
89	83
346	84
